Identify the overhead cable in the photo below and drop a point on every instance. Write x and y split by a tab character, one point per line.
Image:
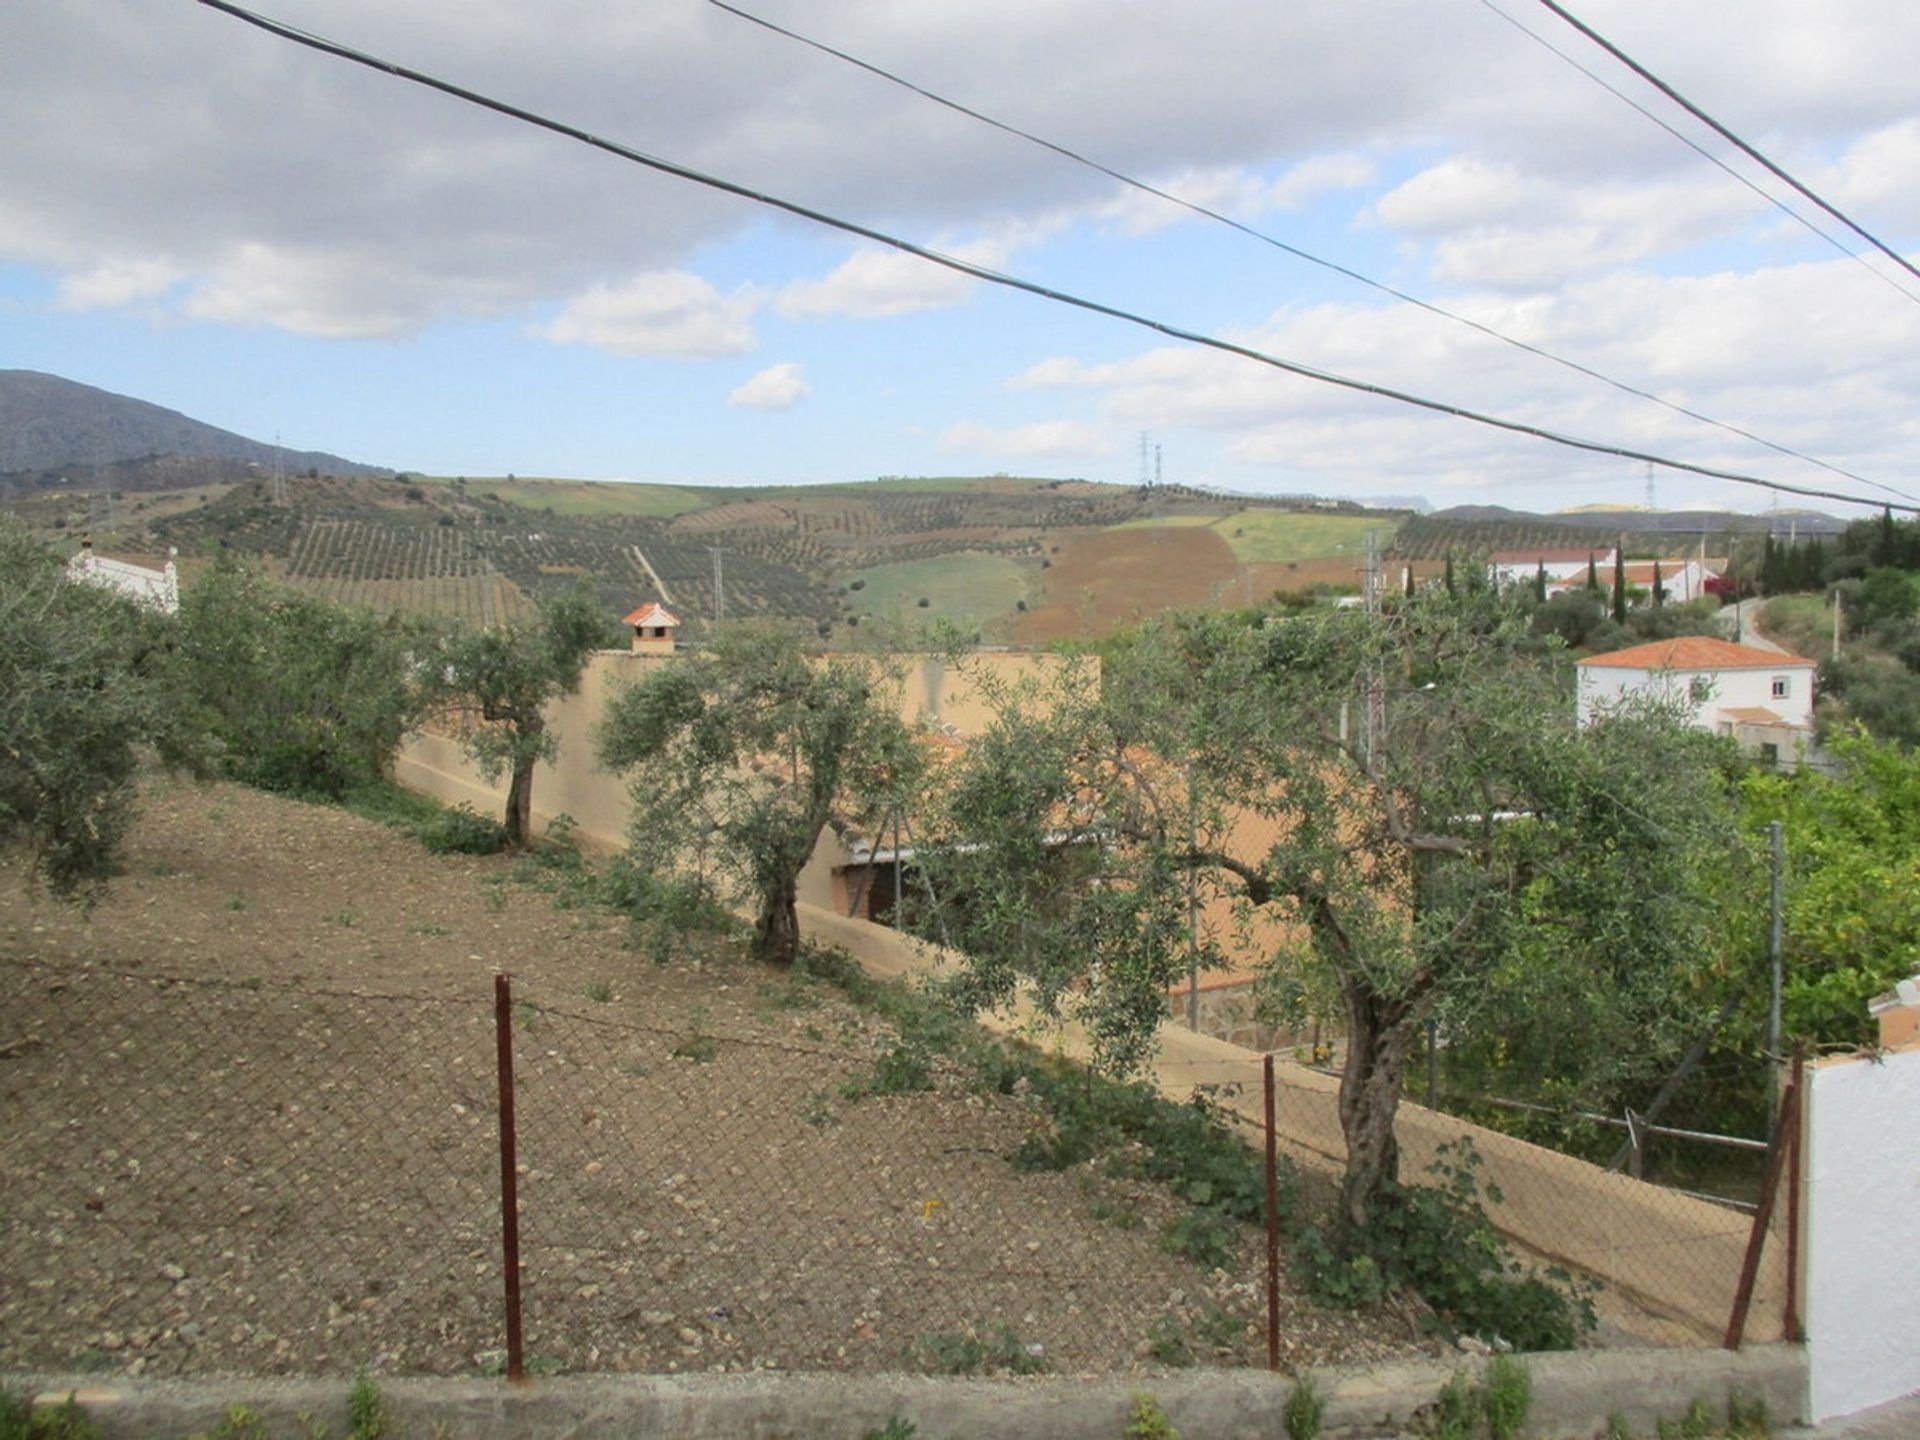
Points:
1266	238
1729	136
994	277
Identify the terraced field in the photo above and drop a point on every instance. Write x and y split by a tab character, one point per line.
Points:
969	588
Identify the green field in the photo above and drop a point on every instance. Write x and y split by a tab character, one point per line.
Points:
582	497
1154	522
967	588
1274	537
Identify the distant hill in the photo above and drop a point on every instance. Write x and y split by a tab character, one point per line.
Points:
1638	521
49	424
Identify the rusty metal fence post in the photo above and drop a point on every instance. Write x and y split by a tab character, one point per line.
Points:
509	1178
1273	1229
1786	1126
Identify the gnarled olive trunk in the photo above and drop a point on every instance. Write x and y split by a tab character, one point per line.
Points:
519	816
1380	1036
776	932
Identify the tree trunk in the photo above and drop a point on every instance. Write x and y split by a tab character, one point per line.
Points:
1380	1035
519	817
776	934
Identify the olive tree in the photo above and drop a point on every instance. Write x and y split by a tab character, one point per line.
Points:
504	678
749	750
298	694
1436	825
80	701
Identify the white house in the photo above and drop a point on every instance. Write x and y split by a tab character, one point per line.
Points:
1521	567
1762	698
155	589
1682	580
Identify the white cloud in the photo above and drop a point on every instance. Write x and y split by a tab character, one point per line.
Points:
1234	191
873	284
117	282
1043	440
778	387
670	314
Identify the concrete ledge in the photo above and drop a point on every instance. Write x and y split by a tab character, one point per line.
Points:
1573	1396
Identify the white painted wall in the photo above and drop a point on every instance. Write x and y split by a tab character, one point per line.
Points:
1603	685
1862	1220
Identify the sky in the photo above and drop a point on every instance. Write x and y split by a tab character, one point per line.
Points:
269	239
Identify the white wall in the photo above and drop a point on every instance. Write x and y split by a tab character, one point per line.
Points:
1601	685
1862	1221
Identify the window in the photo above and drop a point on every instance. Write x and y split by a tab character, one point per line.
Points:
1782	686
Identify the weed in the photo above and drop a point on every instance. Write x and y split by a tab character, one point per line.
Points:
817	1110
461	831
978	1350
494	896
1207	1236
598	991
163	868
1747	1417
1121	1217
238	903
1618	1428
1456	1410
1437	1240
1696	1424
366	1410
897	1428
526	1014
1166	1344
696	1045
239	1423
1306	1408
1147	1421
1506	1394
21	1420
795	995
902	1069
345	919
431	931
1219	1328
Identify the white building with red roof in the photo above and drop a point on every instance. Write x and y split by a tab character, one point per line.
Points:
1522	567
1763	699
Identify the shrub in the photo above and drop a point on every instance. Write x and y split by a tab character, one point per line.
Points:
978	1350
462	830
1306	1409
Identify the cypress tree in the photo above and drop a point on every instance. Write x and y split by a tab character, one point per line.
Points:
1619	586
1540	583
1659	590
1593	574
1449	575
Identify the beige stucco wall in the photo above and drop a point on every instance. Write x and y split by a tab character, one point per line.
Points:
1678	1259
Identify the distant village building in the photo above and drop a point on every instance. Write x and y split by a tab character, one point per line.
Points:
1522	567
1763	699
655	629
155	589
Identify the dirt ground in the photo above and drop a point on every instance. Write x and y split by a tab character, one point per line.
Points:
252	1126
1105	580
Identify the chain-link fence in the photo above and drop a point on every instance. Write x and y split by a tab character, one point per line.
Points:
205	1176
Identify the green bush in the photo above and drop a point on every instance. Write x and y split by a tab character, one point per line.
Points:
462	830
1437	1241
977	1350
20	1420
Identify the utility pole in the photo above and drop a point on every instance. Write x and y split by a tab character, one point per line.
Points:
1376	692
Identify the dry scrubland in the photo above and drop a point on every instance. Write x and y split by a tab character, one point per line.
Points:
282	1174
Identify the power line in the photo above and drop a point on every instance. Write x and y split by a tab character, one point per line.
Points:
1266	238
1724	133
994	277
1705	154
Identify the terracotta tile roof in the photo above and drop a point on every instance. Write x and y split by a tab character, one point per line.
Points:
652	613
1695	652
1758	715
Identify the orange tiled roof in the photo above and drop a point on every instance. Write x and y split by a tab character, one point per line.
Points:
652	613
1694	652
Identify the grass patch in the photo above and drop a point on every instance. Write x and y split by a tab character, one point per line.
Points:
1275	537
967	588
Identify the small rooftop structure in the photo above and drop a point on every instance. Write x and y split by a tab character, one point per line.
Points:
154	589
654	629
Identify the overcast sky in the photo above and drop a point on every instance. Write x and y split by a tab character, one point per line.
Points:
269	239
